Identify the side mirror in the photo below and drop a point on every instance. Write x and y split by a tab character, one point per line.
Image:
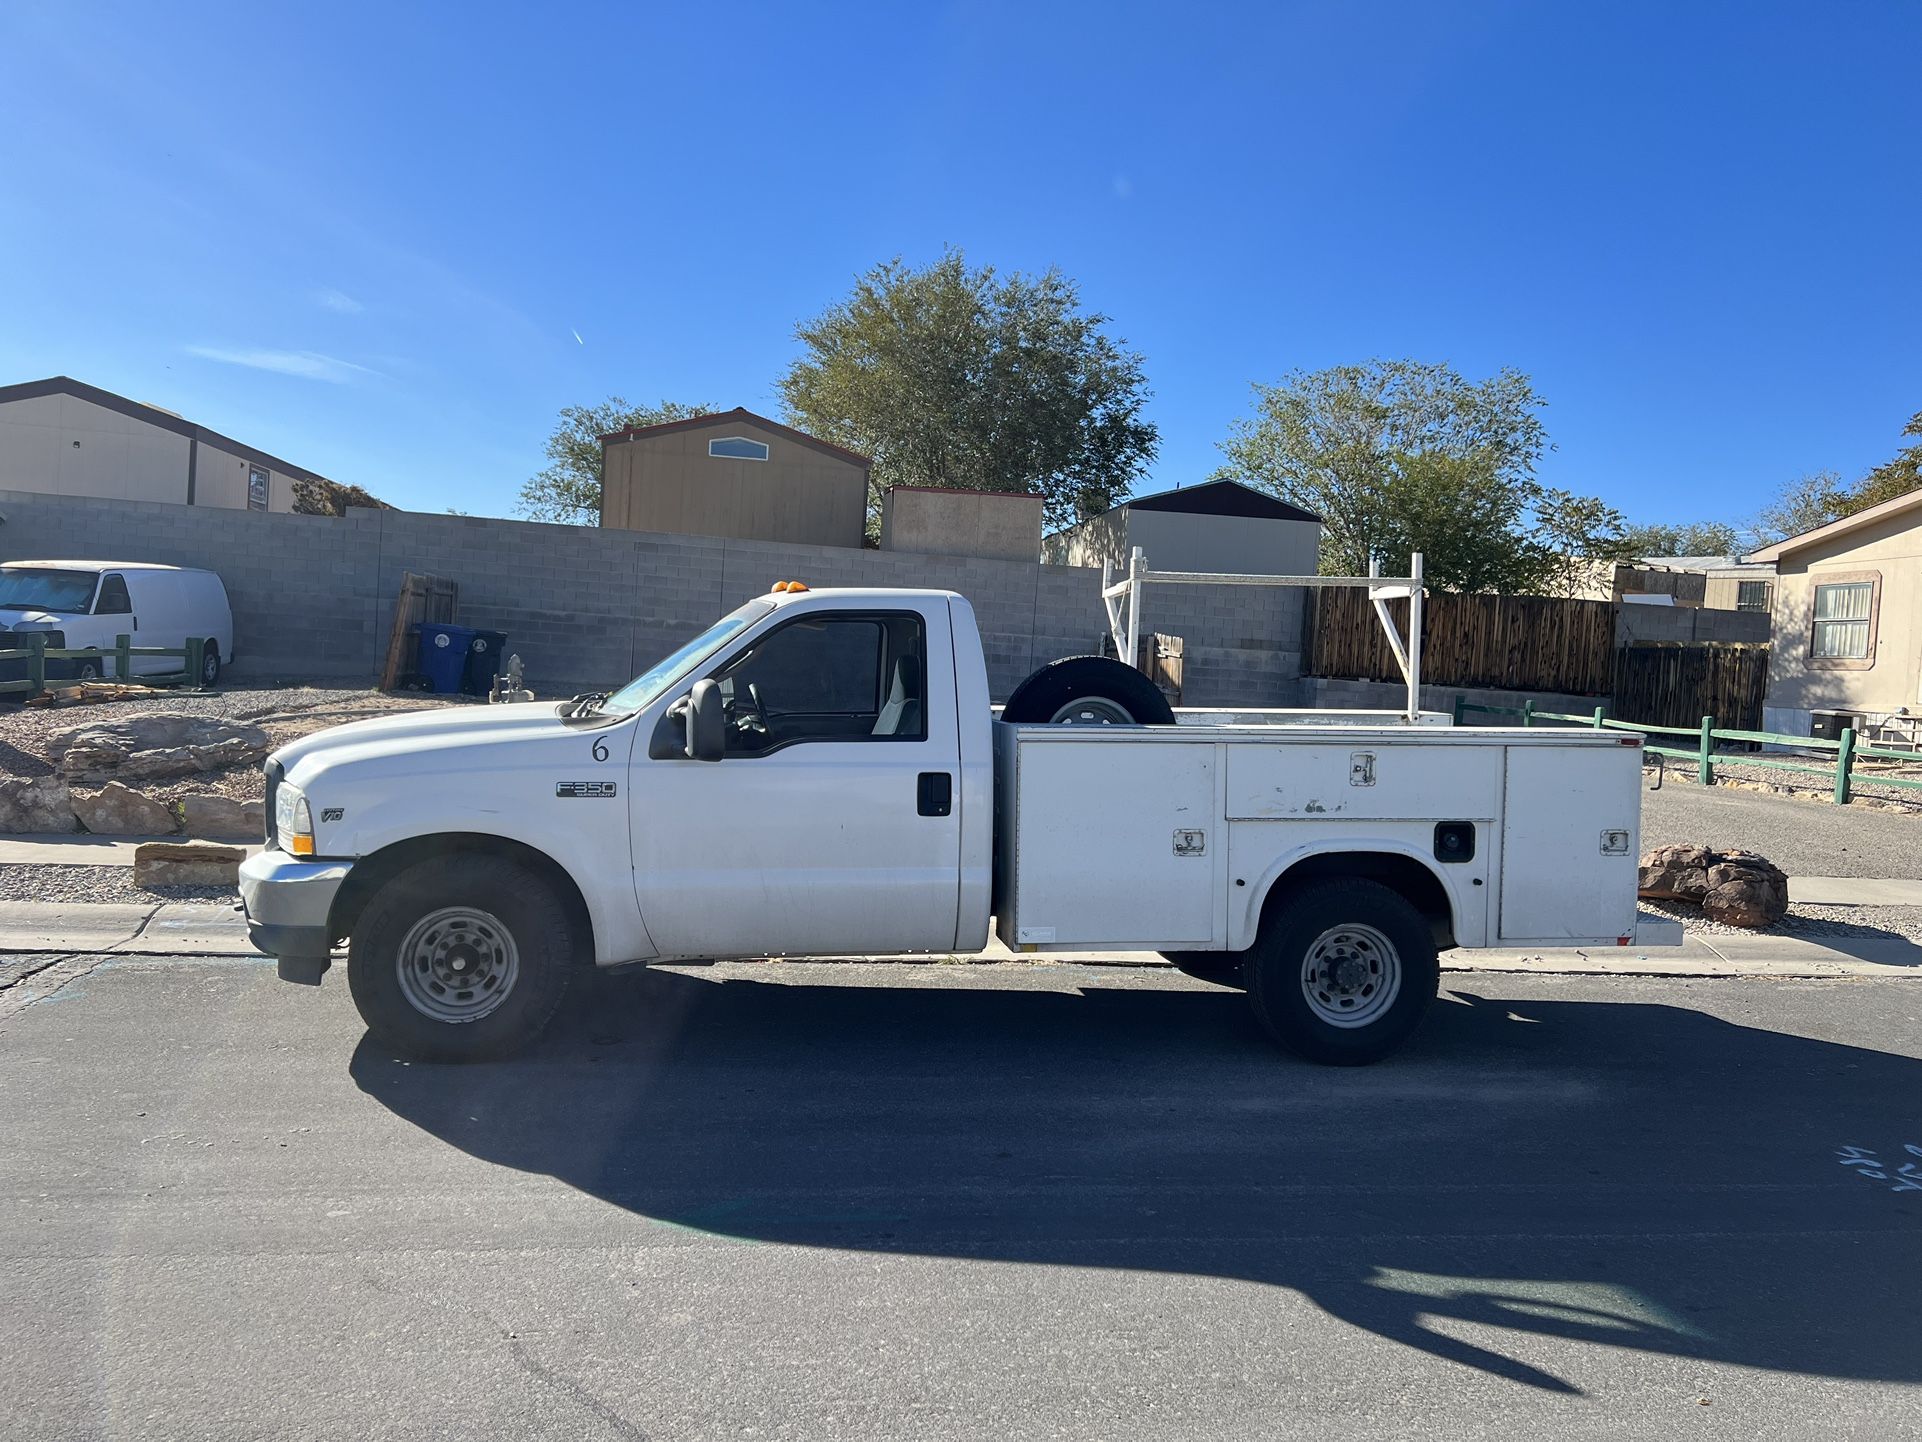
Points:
706	723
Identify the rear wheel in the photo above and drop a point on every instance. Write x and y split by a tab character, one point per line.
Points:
1343	972
1088	691
210	664
460	958
1223	968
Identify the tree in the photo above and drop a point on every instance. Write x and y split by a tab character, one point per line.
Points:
956	376
318	496
1400	455
1687	538
1892	478
1570	533
1803	504
569	489
1461	516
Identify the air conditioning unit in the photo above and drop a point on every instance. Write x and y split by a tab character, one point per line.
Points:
1829	725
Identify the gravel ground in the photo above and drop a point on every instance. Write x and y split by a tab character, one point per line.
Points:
40	882
1752	768
1804	837
1816	923
283	712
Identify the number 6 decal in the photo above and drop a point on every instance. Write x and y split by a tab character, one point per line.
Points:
600	749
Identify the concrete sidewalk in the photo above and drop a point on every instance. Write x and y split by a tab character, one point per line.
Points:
196	928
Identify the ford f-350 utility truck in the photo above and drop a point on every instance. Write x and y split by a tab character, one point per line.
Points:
821	773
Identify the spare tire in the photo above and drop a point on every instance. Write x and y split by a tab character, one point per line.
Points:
1088	691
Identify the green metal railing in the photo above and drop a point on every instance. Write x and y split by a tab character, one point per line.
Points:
35	651
1840	773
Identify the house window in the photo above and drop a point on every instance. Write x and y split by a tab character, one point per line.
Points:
737	448
1751	595
1842	614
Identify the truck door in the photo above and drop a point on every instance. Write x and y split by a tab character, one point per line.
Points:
832	824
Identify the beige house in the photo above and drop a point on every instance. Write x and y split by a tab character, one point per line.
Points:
734	474
64	437
1848	624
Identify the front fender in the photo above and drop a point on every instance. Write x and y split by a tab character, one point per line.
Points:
595	856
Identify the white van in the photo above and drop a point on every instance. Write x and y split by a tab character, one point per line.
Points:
90	603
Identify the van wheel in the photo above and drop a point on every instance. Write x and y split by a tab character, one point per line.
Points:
460	958
1088	691
1342	972
1223	968
210	664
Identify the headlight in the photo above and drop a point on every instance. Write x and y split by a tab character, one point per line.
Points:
293	822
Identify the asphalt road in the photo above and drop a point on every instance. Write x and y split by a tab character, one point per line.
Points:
839	1202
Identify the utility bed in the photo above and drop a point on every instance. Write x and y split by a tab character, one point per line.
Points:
1167	838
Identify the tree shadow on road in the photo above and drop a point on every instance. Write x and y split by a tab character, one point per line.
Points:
1640	1176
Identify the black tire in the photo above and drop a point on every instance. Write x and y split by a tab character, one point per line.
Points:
210	664
1223	968
1117	695
1321	914
509	897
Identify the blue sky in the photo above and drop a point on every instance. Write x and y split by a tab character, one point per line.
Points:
366	237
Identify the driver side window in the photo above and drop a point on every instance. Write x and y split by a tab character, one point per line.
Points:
827	678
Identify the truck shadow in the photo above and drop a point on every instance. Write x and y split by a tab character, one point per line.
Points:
1640	1176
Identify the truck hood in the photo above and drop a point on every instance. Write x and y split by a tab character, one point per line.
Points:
29	618
421	735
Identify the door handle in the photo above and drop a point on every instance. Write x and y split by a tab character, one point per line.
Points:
934	793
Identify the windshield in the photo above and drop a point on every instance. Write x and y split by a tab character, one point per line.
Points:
661	677
34	590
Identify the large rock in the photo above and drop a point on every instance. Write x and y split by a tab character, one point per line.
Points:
1737	888
149	747
1675	873
186	863
116	810
207	814
1749	891
42	804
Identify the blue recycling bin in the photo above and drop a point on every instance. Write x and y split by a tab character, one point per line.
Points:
443	655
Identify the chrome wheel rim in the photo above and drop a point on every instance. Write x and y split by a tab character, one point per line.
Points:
1092	711
458	964
209	667
1350	975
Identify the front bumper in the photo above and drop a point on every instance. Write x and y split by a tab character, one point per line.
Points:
288	902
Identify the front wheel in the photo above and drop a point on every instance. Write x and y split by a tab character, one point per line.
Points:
460	958
1343	972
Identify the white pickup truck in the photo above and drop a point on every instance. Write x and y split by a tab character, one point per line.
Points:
821	773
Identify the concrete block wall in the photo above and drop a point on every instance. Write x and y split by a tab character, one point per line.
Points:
1691	624
313	596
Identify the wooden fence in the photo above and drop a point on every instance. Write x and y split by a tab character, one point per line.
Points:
47	668
1678	685
1516	643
